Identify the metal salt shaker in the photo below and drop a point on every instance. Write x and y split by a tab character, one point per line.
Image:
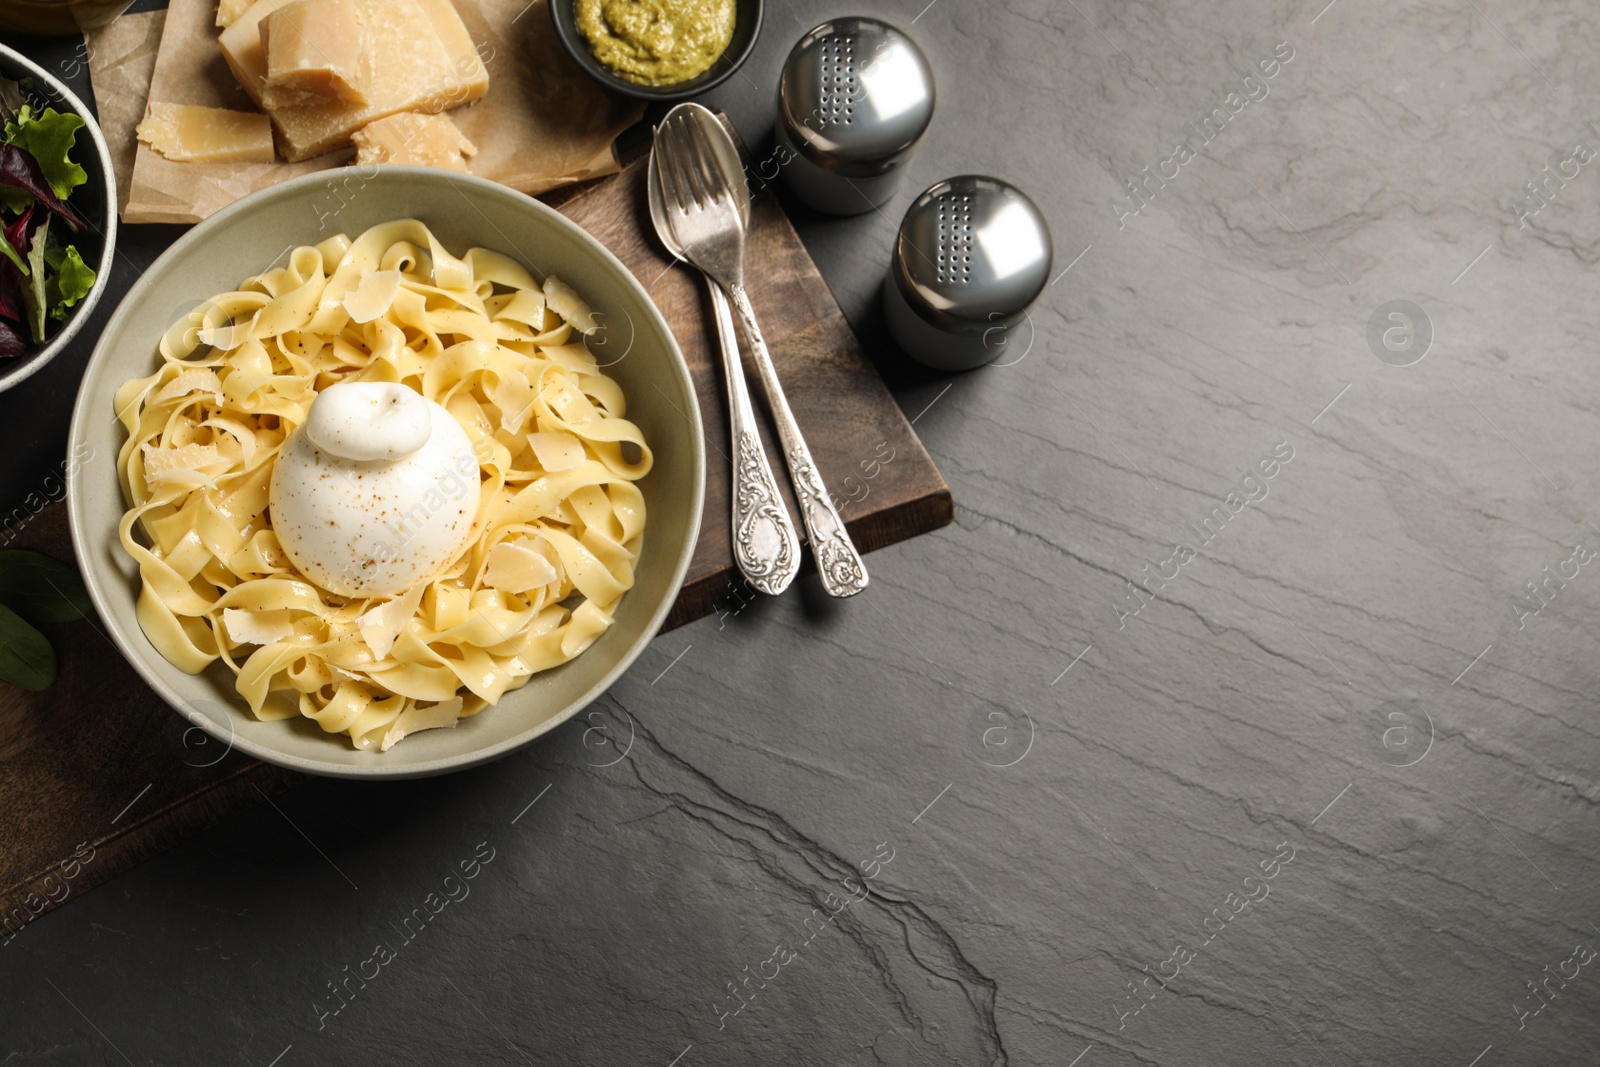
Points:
855	97
972	255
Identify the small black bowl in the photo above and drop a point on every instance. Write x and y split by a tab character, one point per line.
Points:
746	25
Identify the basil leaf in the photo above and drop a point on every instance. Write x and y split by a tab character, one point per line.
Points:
41	589
26	658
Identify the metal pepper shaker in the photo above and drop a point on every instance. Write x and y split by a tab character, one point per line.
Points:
854	100
972	255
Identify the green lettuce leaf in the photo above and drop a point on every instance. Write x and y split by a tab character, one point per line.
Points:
71	282
49	138
33	296
11	254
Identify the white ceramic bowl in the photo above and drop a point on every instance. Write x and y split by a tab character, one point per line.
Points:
95	200
463	212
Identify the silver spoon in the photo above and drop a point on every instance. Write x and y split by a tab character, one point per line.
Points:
766	547
707	208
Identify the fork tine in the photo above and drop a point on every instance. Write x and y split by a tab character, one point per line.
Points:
675	152
710	167
658	180
687	159
667	171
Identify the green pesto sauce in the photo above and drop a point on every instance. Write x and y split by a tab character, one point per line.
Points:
656	42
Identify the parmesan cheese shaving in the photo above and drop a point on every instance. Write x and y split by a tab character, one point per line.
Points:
374	294
192	380
513	395
257	627
565	301
159	461
524	306
517	566
381	626
445	714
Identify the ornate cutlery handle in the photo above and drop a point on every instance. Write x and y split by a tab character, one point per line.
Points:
838	562
766	547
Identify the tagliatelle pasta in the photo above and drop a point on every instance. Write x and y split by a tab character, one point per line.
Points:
559	524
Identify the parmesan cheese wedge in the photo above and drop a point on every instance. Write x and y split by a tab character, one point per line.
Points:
423	60
315	50
228	11
207	134
413	138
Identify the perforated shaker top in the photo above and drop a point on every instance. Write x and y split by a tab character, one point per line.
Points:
856	96
972	250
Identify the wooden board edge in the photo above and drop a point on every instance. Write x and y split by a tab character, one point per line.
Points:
908	519
183	817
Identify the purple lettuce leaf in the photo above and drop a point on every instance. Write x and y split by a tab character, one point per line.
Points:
14	246
10	293
12	343
14	241
16	232
20	170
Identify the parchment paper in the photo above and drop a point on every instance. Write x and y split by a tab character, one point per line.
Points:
122	56
542	124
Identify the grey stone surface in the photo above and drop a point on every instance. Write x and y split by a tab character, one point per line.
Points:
1351	666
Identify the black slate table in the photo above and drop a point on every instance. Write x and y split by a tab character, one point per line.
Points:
1244	716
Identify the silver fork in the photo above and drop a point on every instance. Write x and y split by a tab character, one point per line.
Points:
766	548
705	219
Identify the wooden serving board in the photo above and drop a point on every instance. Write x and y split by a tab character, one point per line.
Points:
97	773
